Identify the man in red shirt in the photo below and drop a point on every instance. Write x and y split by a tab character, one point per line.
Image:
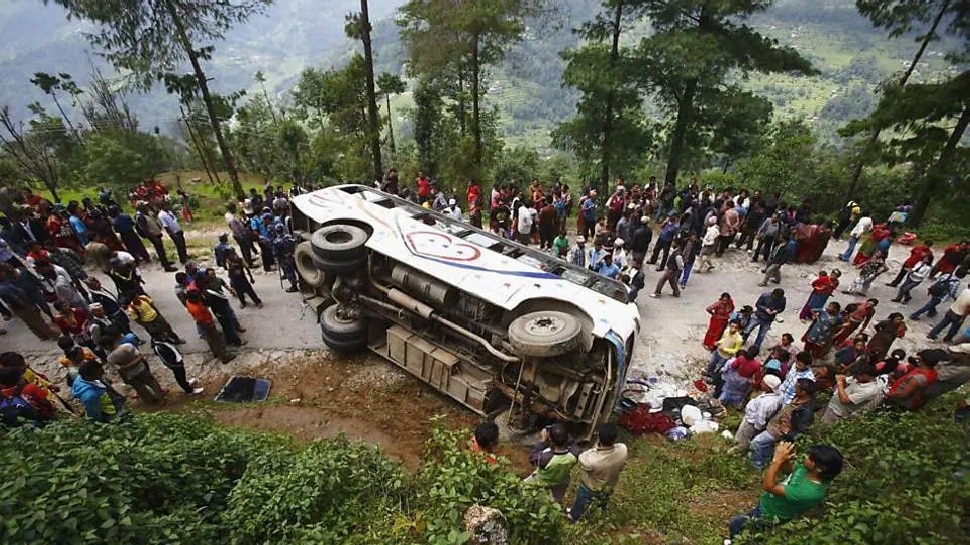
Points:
953	256
915	256
203	317
424	187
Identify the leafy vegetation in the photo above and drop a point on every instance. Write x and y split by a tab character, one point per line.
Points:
166	478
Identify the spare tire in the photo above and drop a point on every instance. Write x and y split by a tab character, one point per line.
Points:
306	267
545	333
339	243
340	267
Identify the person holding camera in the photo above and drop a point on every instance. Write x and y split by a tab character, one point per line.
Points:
790	488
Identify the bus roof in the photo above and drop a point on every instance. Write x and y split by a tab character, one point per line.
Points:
499	271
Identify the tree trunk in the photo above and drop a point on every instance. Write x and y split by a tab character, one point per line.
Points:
476	107
606	153
390	125
67	120
269	106
462	128
372	119
874	135
939	170
203	155
210	105
678	140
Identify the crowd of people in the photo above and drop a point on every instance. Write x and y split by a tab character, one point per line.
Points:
44	249
46	253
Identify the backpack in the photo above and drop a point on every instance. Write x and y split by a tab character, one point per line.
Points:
15	410
141	225
941	287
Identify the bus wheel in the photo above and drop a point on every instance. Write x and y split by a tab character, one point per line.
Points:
545	333
339	244
306	267
342	331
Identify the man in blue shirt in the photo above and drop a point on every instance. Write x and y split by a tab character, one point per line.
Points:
81	230
769	305
607	268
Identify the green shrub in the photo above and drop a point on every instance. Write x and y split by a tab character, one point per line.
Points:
452	479
328	491
158	479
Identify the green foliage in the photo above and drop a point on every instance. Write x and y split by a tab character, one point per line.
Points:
453	479
906	481
168	479
158	479
120	159
330	490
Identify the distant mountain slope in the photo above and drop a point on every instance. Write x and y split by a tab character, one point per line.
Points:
295	34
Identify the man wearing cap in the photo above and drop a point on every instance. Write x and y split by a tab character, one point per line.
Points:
577	256
607	268
619	253
452	210
640	239
260	225
240	233
284	245
758	412
146	225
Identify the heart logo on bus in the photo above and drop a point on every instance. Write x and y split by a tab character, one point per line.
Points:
441	246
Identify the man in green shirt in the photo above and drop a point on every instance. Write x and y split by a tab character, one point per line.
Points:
803	488
553	458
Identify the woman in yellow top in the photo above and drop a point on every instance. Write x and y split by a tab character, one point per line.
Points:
143	311
724	349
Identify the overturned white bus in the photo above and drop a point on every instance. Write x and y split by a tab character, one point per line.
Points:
491	323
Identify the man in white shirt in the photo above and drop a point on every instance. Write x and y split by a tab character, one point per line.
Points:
171	225
600	471
954	317
864	226
524	221
452	210
758	412
856	394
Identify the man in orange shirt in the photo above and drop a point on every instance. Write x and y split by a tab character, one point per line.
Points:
213	337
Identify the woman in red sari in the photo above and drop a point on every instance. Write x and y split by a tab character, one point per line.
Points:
720	312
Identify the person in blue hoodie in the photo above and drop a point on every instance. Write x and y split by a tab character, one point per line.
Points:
101	403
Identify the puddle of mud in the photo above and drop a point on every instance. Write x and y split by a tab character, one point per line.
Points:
308	423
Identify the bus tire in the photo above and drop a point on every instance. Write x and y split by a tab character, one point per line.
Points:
340	267
339	243
337	327
306	267
545	333
345	348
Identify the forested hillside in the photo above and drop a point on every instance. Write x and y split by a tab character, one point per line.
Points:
852	56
